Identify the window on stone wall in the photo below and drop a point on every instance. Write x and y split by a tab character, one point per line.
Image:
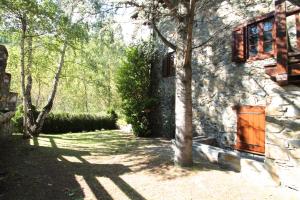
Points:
253	38
168	67
254	41
261	39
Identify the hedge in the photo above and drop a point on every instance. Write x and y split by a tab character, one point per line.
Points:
67	122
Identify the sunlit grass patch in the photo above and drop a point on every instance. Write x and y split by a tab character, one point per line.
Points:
103	142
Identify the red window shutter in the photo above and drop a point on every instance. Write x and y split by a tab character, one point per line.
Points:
239	45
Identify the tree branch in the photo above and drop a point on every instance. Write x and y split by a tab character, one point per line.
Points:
164	40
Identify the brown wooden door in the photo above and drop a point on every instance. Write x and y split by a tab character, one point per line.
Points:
251	129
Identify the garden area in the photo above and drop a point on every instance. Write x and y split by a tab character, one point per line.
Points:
115	165
140	100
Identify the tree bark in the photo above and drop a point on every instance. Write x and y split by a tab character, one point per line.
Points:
183	99
38	125
30	107
85	92
26	134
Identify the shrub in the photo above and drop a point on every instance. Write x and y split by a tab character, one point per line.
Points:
133	84
67	122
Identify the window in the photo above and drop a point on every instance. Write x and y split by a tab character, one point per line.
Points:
168	68
268	39
254	41
261	39
253	38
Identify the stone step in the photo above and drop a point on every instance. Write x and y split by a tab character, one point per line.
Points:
247	164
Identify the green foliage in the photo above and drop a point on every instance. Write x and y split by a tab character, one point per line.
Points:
17	120
94	49
67	122
133	83
86	83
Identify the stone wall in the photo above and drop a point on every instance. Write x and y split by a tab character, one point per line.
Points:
7	99
163	117
219	85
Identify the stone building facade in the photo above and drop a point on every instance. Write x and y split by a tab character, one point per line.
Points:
8	99
237	71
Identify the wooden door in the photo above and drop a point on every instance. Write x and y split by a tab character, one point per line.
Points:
251	129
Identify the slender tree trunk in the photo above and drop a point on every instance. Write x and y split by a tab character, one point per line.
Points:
37	102
183	99
30	107
37	127
26	134
109	88
85	92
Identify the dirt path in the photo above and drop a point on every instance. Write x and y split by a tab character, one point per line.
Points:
114	165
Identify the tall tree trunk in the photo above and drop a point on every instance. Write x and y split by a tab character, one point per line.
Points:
109	88
183	99
26	134
38	125
30	107
37	101
85	92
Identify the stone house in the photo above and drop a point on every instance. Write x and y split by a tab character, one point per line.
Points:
246	92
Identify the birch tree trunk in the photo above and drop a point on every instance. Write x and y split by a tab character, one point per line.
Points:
183	99
30	108
26	134
36	128
85	92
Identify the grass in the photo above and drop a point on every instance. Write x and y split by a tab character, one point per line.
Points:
111	165
99	142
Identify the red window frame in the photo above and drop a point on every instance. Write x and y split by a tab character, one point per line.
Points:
261	32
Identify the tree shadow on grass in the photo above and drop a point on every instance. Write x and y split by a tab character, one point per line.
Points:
148	155
37	172
62	171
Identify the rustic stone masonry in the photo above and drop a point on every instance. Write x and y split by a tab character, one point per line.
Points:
220	85
163	117
8	99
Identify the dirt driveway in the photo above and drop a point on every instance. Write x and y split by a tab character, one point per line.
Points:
115	165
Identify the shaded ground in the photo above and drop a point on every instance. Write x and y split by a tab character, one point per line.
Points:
114	165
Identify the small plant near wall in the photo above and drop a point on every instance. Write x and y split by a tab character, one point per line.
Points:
133	83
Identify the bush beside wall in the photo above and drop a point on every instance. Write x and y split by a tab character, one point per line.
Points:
133	84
